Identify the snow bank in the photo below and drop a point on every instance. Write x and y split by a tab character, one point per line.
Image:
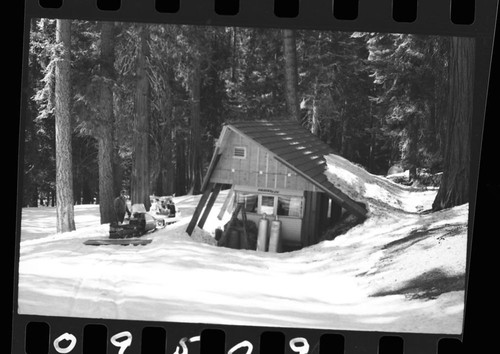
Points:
379	193
400	270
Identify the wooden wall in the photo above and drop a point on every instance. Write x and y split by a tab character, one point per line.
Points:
258	169
318	216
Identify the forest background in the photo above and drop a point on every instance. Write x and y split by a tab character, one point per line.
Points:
143	103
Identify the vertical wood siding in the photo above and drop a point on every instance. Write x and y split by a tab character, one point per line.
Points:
258	169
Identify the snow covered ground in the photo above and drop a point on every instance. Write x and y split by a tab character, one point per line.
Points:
400	271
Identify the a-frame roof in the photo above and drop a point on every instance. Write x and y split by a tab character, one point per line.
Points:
299	150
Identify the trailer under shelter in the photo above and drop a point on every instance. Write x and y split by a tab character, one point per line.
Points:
275	169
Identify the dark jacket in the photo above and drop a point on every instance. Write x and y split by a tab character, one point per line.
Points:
120	205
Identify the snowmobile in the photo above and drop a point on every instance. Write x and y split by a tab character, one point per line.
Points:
139	224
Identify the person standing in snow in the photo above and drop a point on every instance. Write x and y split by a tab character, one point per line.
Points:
155	206
170	206
121	207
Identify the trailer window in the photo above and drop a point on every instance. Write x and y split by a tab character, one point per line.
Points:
267	205
250	201
270	204
290	206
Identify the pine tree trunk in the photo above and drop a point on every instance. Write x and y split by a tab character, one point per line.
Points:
315	118
315	114
343	131
87	197
412	153
234	51
139	193
291	74
181	167
371	153
168	174
194	146
118	174
164	183
105	136
454	189
64	161
432	126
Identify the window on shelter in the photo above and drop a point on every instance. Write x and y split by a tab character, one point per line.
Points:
267	205
289	206
240	152
250	201
271	204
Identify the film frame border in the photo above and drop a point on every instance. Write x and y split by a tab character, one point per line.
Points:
432	18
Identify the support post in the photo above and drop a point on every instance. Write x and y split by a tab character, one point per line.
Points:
199	208
210	204
226	204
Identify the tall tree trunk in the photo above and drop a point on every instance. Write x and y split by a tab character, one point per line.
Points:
371	153
140	167
454	189
343	131
87	197
164	183
105	136
412	152
168	145
234	53
432	124
315	118
291	74
181	166
64	160
314	110
118	173
194	146
316	92
168	175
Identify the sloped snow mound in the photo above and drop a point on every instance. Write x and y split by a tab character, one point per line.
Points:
203	236
379	193
400	270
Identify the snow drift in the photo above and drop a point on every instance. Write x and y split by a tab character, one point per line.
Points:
401	270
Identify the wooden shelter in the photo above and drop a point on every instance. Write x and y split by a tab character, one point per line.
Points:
277	169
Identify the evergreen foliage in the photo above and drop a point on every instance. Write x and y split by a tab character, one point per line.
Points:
376	99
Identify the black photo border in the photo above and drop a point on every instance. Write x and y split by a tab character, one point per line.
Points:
373	16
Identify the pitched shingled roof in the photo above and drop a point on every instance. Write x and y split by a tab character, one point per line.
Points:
299	150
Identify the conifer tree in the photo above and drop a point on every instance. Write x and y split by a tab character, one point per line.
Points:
105	119
454	188
291	74
64	165
140	178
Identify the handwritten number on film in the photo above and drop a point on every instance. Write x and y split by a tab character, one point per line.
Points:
303	348
182	343
298	345
243	344
66	337
123	340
